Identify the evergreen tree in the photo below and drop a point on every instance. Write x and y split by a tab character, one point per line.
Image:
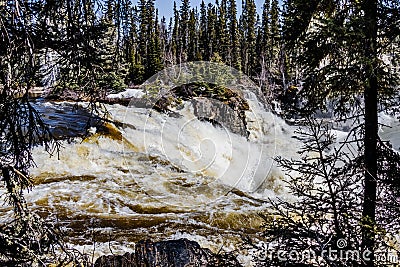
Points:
184	29
265	27
271	57
109	15
126	26
234	44
30	30
170	50
156	47
341	49
175	40
258	51
89	13
143	34
325	180
136	69
108	56
221	31
203	31
111	46
150	51
211	32
193	53
264	48
274	32
153	62
164	39
249	40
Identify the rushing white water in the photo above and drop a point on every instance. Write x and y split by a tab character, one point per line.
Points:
389	130
162	177
207	155
166	177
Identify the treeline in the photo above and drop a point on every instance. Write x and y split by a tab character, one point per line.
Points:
210	32
134	42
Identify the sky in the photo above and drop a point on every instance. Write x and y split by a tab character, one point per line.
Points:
165	7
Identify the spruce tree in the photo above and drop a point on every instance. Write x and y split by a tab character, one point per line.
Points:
193	53
249	41
136	68
341	50
234	59
110	9
109	48
156	49
153	62
125	29
242	36
175	39
203	32
258	51
221	32
211	32
143	37
264	48
371	88
184	29
170	50
265	28
164	39
30	31
274	33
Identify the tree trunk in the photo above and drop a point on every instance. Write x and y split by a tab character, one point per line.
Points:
371	130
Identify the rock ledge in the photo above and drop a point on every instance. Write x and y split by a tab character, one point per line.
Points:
172	253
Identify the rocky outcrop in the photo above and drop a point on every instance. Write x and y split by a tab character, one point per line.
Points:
131	101
218	105
74	96
173	253
64	95
219	113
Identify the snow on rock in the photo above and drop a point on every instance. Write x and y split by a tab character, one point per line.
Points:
128	93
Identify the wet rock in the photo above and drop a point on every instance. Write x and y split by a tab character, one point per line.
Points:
126	260
173	253
219	105
215	111
63	95
130	101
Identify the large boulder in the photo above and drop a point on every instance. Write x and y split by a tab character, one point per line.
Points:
218	112
173	253
219	105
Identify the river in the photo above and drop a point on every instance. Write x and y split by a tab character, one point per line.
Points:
161	177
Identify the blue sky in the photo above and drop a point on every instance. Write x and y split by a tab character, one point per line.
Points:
165	7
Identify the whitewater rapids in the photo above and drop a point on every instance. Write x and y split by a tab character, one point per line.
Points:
164	177
160	177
